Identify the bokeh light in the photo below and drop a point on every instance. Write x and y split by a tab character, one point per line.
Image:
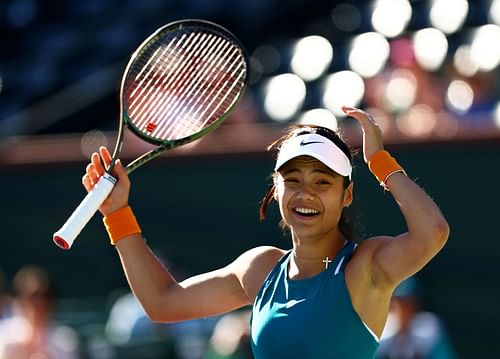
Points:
343	88
496	115
284	96
494	12
21	12
419	121
311	57
463	62
430	48
401	90
269	58
485	51
346	17
319	117
91	141
448	15
459	96
391	17
369	54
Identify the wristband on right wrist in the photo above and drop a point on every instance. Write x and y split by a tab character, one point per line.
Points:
383	165
120	224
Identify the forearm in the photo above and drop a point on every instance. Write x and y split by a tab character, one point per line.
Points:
146	275
423	217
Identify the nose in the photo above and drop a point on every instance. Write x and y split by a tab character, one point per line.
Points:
305	193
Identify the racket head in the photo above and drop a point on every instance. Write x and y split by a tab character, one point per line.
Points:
182	82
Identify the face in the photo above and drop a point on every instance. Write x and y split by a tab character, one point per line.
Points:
311	198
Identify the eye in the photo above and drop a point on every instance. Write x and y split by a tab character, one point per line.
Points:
323	182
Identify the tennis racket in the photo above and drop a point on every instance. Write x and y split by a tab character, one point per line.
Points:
179	85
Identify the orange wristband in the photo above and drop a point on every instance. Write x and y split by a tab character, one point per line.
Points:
383	165
120	224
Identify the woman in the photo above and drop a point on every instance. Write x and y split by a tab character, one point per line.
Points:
325	298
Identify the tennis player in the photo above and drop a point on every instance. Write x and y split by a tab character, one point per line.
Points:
327	297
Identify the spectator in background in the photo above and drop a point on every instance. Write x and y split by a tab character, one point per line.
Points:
30	331
5	299
231	337
410	332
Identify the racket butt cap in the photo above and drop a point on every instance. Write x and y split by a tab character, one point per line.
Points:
60	242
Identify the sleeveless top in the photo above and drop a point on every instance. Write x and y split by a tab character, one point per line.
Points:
309	318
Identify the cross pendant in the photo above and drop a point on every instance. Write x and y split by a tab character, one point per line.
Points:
327	261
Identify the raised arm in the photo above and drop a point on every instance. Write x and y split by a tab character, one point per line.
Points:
396	258
162	297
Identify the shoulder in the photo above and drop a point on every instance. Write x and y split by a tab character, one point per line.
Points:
264	253
369	246
258	259
253	266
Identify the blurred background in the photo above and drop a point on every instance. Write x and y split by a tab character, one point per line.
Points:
428	70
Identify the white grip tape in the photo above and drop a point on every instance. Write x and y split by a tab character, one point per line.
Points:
66	235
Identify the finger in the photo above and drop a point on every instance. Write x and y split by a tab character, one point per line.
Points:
358	114
106	156
98	166
121	172
92	174
87	183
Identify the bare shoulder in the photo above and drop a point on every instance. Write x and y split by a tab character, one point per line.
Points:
253	266
370	245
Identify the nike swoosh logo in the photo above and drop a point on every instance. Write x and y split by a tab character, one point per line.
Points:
294	302
304	143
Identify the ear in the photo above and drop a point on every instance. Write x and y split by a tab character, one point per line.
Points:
275	187
348	195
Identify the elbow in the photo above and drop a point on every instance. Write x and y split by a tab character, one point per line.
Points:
153	316
156	313
157	316
440	232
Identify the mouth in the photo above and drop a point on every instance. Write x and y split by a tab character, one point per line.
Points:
306	212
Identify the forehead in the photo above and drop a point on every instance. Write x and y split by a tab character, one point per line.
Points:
306	163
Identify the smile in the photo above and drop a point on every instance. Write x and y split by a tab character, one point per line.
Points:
306	211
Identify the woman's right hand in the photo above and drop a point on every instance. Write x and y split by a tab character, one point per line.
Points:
95	169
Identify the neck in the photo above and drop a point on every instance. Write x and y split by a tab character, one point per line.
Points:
306	262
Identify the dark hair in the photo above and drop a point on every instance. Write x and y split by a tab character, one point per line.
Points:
346	226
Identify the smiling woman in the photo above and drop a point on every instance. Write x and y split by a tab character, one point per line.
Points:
326	297
324	145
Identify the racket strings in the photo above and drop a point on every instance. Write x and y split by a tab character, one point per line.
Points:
150	82
180	103
192	86
189	76
206	99
222	99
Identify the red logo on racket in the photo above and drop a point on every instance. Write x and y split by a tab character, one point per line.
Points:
151	126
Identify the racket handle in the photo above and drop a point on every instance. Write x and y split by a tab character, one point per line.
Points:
67	234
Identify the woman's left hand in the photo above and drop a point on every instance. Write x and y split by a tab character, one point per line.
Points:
372	135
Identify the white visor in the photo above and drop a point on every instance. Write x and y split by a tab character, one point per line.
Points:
318	147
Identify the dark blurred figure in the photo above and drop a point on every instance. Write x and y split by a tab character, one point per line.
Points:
231	337
30	332
410	332
5	299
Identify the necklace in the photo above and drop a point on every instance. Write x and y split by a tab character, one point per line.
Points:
326	260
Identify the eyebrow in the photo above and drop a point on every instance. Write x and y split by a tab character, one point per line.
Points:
325	171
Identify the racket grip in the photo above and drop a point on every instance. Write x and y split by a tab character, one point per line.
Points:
67	234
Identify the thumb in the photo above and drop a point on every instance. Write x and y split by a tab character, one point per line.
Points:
120	172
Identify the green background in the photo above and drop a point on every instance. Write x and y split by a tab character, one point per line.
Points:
199	213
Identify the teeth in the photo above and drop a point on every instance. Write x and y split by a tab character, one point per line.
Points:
306	210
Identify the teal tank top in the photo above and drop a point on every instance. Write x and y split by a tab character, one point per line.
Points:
310	318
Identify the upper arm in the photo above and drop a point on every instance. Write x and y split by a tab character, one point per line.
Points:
393	259
221	290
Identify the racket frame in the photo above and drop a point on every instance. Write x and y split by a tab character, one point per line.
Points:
66	235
